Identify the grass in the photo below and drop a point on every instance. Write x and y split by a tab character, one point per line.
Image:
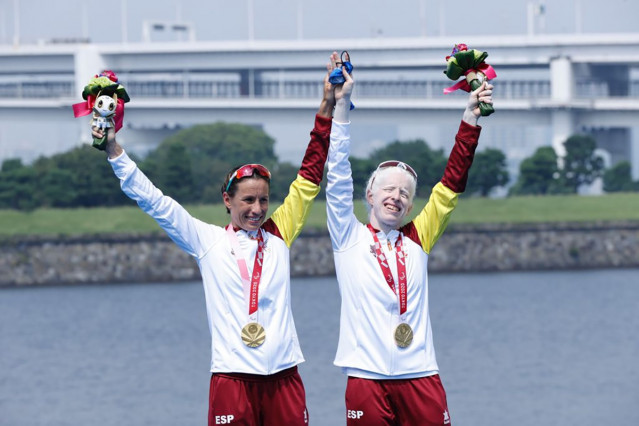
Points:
130	219
573	208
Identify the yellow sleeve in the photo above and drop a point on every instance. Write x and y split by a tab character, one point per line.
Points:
291	216
433	219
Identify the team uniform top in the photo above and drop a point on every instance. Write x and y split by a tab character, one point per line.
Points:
370	308
226	306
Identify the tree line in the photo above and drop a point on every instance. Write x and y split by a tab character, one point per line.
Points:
190	167
546	173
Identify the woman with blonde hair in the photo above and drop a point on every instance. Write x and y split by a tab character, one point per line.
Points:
385	342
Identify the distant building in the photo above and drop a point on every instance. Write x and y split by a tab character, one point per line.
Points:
548	87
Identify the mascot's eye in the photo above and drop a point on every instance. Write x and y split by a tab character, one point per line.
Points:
111	106
100	103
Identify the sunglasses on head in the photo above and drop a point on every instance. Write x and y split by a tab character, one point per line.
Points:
248	170
401	165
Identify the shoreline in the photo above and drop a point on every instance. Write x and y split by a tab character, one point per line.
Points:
140	258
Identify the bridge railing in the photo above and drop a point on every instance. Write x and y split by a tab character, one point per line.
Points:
265	89
177	89
36	89
603	89
312	89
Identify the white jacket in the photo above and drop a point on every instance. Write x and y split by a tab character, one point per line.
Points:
226	307
370	309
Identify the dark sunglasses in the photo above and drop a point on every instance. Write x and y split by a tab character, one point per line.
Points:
248	170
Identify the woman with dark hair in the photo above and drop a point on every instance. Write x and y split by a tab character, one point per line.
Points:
385	343
246	275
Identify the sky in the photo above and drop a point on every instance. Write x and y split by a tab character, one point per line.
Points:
32	21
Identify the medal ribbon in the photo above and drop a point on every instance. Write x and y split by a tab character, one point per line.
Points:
388	275
251	285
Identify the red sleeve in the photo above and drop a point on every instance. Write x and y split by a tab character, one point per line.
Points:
317	150
461	157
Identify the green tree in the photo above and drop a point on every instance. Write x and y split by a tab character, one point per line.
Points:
488	171
282	175
11	164
538	173
212	150
176	179
619	179
17	184
581	166
54	189
88	180
361	169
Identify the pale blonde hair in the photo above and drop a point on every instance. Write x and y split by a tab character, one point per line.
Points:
379	175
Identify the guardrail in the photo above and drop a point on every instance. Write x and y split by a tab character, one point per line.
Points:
215	89
39	90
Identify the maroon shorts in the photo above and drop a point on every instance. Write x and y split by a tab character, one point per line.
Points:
254	400
405	402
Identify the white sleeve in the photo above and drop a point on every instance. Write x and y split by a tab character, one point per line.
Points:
339	188
181	227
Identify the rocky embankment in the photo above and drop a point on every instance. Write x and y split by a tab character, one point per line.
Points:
463	248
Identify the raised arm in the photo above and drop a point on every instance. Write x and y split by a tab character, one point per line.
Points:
181	227
289	219
339	187
342	92
463	152
433	219
113	148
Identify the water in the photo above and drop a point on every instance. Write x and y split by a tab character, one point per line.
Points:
528	349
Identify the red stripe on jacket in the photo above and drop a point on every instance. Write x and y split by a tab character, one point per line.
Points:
315	158
461	157
410	231
270	227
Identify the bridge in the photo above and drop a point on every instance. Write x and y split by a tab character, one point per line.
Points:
548	87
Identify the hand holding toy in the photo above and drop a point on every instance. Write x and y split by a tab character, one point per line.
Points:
469	63
105	98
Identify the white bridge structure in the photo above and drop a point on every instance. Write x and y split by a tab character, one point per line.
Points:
548	87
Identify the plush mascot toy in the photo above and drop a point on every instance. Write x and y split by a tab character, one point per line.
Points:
105	98
104	111
469	63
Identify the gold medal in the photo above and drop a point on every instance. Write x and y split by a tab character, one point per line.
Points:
403	335
253	335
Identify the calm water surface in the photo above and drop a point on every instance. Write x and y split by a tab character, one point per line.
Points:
528	349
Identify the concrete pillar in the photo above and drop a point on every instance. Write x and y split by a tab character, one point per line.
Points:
87	62
562	128
562	92
562	80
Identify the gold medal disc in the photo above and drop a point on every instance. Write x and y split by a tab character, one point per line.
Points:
403	335
253	335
